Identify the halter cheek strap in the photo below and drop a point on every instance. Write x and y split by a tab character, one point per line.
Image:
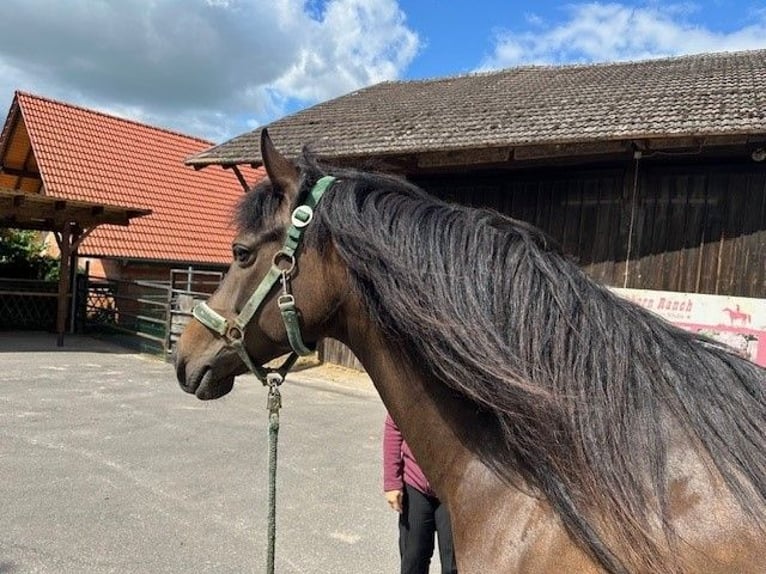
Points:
233	331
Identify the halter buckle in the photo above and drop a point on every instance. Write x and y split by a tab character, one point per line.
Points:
285	301
302	216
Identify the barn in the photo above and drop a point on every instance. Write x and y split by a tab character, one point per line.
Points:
650	173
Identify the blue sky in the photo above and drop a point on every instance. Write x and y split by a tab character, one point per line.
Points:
218	68
460	35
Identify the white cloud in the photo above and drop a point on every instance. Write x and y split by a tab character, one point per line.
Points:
356	43
195	65
600	32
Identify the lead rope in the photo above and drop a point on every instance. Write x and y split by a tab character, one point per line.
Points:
273	404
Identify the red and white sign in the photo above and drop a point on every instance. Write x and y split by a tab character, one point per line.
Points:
739	322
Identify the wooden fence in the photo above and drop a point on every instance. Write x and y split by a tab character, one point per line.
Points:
27	304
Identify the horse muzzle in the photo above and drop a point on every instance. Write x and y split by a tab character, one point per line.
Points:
208	370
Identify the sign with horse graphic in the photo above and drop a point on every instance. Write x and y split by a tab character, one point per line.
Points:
739	322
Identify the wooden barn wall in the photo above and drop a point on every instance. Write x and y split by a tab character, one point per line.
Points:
699	229
695	228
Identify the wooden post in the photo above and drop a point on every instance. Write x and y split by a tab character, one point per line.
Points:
73	279
65	248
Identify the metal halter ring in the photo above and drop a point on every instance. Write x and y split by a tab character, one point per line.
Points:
281	255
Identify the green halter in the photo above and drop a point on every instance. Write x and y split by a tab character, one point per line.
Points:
233	331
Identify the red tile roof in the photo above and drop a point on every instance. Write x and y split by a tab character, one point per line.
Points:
90	156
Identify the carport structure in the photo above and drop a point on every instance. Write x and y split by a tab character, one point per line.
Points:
26	203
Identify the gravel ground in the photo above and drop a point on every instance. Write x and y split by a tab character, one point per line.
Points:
107	466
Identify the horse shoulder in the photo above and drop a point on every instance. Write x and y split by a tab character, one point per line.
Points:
716	535
510	530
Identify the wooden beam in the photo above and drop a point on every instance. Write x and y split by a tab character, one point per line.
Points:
240	177
20	172
77	242
523	153
31	210
464	157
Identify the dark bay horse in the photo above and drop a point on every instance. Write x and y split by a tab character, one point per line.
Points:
568	430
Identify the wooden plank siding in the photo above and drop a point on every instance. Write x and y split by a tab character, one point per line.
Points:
697	228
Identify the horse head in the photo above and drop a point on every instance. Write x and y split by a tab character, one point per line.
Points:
278	294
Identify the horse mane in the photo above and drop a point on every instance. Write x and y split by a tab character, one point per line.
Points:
583	388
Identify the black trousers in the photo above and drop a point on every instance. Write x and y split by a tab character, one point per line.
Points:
422	518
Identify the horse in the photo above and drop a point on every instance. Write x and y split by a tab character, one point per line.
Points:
737	316
568	430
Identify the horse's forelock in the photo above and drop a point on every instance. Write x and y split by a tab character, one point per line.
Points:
257	207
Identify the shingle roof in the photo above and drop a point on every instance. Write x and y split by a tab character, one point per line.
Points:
703	95
90	156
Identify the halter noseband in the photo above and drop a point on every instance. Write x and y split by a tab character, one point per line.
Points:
233	331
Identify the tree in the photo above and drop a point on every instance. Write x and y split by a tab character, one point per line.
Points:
22	256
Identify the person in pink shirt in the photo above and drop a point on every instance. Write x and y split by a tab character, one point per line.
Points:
421	514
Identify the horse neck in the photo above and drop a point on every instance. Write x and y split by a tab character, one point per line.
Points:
428	414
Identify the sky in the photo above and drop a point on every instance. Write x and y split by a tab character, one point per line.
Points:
218	68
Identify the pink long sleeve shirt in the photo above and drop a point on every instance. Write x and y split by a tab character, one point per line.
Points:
399	465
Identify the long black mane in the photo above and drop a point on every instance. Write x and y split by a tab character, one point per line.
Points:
584	388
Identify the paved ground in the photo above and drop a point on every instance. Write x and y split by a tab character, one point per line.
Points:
107	466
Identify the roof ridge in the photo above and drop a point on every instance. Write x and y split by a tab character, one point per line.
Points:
90	111
569	66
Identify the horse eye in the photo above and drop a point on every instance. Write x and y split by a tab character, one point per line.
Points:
241	253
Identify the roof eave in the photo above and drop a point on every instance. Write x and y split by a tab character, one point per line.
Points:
151	260
10	122
199	161
554	148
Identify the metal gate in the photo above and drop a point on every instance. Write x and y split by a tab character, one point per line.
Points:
187	288
145	315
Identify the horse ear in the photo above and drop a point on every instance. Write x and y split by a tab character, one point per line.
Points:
280	170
